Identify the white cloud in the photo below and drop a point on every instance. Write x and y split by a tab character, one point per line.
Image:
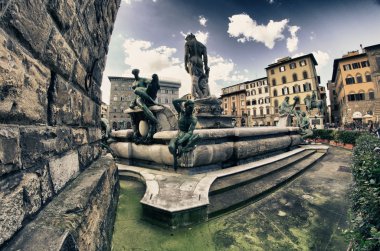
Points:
203	21
312	36
162	61
322	58
292	41
244	28
129	2
200	35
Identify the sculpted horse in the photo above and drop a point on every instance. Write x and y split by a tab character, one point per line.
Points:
312	103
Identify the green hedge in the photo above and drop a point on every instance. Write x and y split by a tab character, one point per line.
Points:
365	196
347	137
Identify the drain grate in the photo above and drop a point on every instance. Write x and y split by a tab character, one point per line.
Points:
345	169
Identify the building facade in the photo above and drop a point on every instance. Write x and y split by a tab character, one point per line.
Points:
122	95
333	107
234	103
355	89
258	102
373	53
292	77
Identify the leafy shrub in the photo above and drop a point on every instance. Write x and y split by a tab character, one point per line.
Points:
348	137
365	195
322	134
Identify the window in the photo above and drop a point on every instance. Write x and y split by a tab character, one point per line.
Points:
248	93
282	68
285	91
304	74
267	110
251	85
350	80
359	78
242	96
356	97
296	89
248	102
114	98
347	67
260	91
302	62
368	77
275	103
233	98
275	93
292	65
246	86
306	87
253	92
242	87
266	89
283	79
242	103
371	95
267	100
356	65
254	112
365	64
273	82
261	101
272	71
225	106
261	111
295	77
254	102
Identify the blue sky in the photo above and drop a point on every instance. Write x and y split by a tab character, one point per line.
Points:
242	36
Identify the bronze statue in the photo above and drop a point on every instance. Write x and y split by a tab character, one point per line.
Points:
312	102
303	123
146	93
185	140
196	65
286	108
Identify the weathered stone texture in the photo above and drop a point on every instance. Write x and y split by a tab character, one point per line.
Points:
62	11
29	19
79	136
79	75
86	155
9	149
23	85
89	114
20	196
64	169
81	217
38	142
66	104
94	134
59	55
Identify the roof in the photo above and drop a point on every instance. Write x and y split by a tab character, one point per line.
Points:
372	47
293	59
338	60
245	82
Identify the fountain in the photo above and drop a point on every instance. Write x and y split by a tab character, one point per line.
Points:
195	164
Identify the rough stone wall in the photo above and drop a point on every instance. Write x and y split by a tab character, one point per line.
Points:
52	55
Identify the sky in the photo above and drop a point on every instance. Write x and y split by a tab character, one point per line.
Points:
242	36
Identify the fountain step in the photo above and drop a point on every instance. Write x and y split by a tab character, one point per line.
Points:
242	193
244	177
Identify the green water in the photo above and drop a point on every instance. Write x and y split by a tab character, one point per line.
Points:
281	221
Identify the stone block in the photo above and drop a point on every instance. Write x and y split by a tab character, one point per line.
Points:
75	36
23	85
94	134
45	183
79	136
10	152
66	104
59	55
62	11
20	196
37	142
63	169
79	75
88	112
30	21
86	155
